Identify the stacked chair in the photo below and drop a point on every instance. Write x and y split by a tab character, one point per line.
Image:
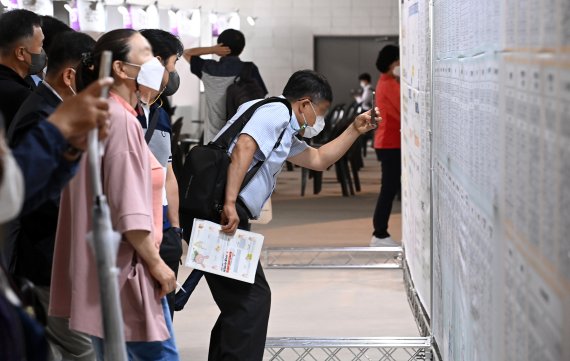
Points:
336	122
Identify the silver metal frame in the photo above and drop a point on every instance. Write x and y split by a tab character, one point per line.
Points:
332	257
431	152
432	131
349	348
418	310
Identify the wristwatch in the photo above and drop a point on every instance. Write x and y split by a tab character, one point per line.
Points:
71	153
177	230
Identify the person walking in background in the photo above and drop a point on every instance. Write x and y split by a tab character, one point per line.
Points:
387	141
364	97
219	75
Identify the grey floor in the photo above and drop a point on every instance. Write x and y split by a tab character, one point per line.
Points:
315	303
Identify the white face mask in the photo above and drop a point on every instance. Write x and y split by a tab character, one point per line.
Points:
151	74
396	71
313	130
362	84
11	189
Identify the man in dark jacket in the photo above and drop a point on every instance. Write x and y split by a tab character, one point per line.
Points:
34	233
21	54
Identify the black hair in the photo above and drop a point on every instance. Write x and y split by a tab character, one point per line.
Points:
308	83
365	76
233	39
386	56
2	134
52	27
16	25
116	41
163	43
67	50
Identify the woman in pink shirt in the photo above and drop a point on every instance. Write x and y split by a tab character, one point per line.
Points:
132	181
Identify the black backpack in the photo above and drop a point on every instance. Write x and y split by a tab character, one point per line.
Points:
243	89
203	178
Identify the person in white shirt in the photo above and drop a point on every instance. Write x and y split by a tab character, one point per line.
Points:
365	97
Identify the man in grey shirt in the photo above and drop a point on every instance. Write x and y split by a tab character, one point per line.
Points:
241	329
217	76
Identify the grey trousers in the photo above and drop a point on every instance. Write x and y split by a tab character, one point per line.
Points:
65	344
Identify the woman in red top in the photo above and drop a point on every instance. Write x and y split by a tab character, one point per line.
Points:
387	141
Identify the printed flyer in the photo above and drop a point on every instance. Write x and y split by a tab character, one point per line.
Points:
234	256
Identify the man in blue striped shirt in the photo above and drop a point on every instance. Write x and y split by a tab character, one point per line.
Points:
241	329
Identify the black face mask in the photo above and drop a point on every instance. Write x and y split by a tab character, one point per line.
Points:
173	83
38	62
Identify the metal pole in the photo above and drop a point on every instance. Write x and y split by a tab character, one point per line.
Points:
431	13
105	243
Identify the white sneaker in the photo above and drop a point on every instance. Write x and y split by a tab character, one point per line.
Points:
383	242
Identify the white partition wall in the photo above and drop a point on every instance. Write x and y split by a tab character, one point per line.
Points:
498	106
415	121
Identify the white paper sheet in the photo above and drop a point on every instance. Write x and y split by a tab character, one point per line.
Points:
215	252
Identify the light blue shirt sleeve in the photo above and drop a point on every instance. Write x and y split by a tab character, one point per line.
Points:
266	125
297	147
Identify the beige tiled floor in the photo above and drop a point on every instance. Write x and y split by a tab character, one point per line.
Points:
325	303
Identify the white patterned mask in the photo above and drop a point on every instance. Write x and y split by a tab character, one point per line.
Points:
314	130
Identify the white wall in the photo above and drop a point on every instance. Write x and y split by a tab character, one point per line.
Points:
281	41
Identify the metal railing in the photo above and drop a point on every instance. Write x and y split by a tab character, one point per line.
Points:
355	349
346	348
333	257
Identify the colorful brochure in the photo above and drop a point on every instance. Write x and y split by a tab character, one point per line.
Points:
234	256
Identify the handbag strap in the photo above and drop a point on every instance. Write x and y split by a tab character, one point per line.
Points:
152	125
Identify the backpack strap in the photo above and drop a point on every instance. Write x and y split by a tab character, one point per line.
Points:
250	173
225	139
246	71
237	126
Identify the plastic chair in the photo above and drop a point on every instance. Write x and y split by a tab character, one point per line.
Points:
338	123
331	119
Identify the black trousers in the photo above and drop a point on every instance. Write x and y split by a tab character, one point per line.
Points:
171	252
241	328
391	184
